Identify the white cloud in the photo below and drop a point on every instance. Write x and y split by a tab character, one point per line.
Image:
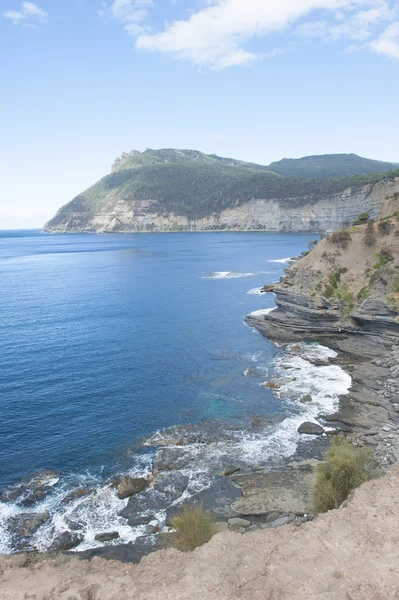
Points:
27	15
132	13
362	24
388	42
317	29
216	35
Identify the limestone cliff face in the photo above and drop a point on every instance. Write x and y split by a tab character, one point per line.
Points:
293	214
348	284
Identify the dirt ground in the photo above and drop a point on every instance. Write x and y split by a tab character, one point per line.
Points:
347	554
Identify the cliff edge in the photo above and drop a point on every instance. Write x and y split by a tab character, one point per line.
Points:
352	553
346	289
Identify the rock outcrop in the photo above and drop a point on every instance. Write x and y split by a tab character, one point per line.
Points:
346	289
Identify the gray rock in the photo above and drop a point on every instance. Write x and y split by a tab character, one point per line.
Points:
236	523
231	471
172	459
310	428
65	541
131	485
272	516
126	553
79	493
141	508
107	536
27	524
306	399
279	522
217	498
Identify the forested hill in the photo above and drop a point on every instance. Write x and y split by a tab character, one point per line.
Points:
193	185
330	165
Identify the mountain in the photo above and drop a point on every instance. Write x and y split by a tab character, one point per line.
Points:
169	190
329	165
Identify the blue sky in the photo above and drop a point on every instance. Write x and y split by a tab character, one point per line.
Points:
84	80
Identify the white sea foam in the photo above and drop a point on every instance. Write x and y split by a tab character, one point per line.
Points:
98	511
255	356
262	312
255	291
228	275
281	260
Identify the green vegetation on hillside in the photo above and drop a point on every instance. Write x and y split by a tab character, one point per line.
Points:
195	185
330	165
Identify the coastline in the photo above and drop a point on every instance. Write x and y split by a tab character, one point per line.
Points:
264	494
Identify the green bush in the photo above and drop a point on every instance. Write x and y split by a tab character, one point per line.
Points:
362	219
193	527
369	238
344	469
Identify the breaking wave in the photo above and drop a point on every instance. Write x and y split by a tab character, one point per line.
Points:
281	260
228	275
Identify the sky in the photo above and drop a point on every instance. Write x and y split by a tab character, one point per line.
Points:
82	81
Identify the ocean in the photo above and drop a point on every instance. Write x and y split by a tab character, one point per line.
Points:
106	340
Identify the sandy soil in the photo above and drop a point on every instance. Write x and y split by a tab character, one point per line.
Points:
350	554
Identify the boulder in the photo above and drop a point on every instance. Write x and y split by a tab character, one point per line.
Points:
167	488
236	523
26	524
107	536
306	399
310	428
170	459
65	541
126	553
130	486
279	522
23	526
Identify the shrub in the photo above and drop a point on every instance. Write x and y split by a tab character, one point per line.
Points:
362	219
341	237
344	469
385	227
193	527
369	238
364	292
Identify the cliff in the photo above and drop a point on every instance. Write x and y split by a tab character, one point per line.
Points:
186	190
346	289
347	553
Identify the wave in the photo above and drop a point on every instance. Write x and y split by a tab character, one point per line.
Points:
261	312
228	275
255	291
280	260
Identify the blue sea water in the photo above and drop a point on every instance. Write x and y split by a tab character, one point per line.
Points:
105	339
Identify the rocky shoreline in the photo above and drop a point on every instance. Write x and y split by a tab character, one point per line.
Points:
242	499
275	491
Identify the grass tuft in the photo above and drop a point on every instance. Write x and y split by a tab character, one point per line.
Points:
344	469
193	527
